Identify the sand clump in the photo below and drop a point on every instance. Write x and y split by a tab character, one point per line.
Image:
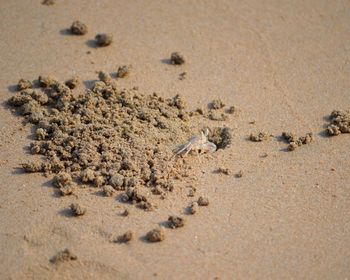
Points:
295	142
73	83
24	84
48	2
123	71
193	208
223	170
176	221
78	28
103	40
203	201
259	137
156	235
126	237
177	59
64	256
77	209
339	123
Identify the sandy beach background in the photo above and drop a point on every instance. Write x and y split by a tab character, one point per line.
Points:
285	64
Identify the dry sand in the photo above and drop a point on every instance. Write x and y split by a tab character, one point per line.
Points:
285	65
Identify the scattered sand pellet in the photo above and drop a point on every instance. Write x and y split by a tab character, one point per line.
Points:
232	110
104	40
105	77
192	191
182	75
176	221
177	58
48	2
217	116
288	136
108	190
64	256
339	122
155	235
78	28
296	142
77	209
223	170
145	205
261	136
193	208
239	174
292	146
73	83
24	84
216	104
123	71
126	237
203	201
126	213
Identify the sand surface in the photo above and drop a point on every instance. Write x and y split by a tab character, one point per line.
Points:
284	63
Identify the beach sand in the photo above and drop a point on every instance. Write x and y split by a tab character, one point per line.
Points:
285	64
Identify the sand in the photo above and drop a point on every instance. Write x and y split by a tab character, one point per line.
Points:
284	65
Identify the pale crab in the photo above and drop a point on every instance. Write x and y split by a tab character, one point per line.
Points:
199	144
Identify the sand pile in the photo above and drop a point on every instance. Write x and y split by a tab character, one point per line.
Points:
108	138
339	122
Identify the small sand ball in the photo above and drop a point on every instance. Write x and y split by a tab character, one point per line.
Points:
217	104
103	40
232	110
203	201
99	181
333	130
126	237
48	2
67	190
105	77
288	136
123	71
24	84
126	213
63	256
155	235
32	167
217	116
108	190
292	146
176	221
177	58
77	209
78	28
62	179
224	170
193	208
47	81
239	174
87	175
116	181
40	134
261	136
73	83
